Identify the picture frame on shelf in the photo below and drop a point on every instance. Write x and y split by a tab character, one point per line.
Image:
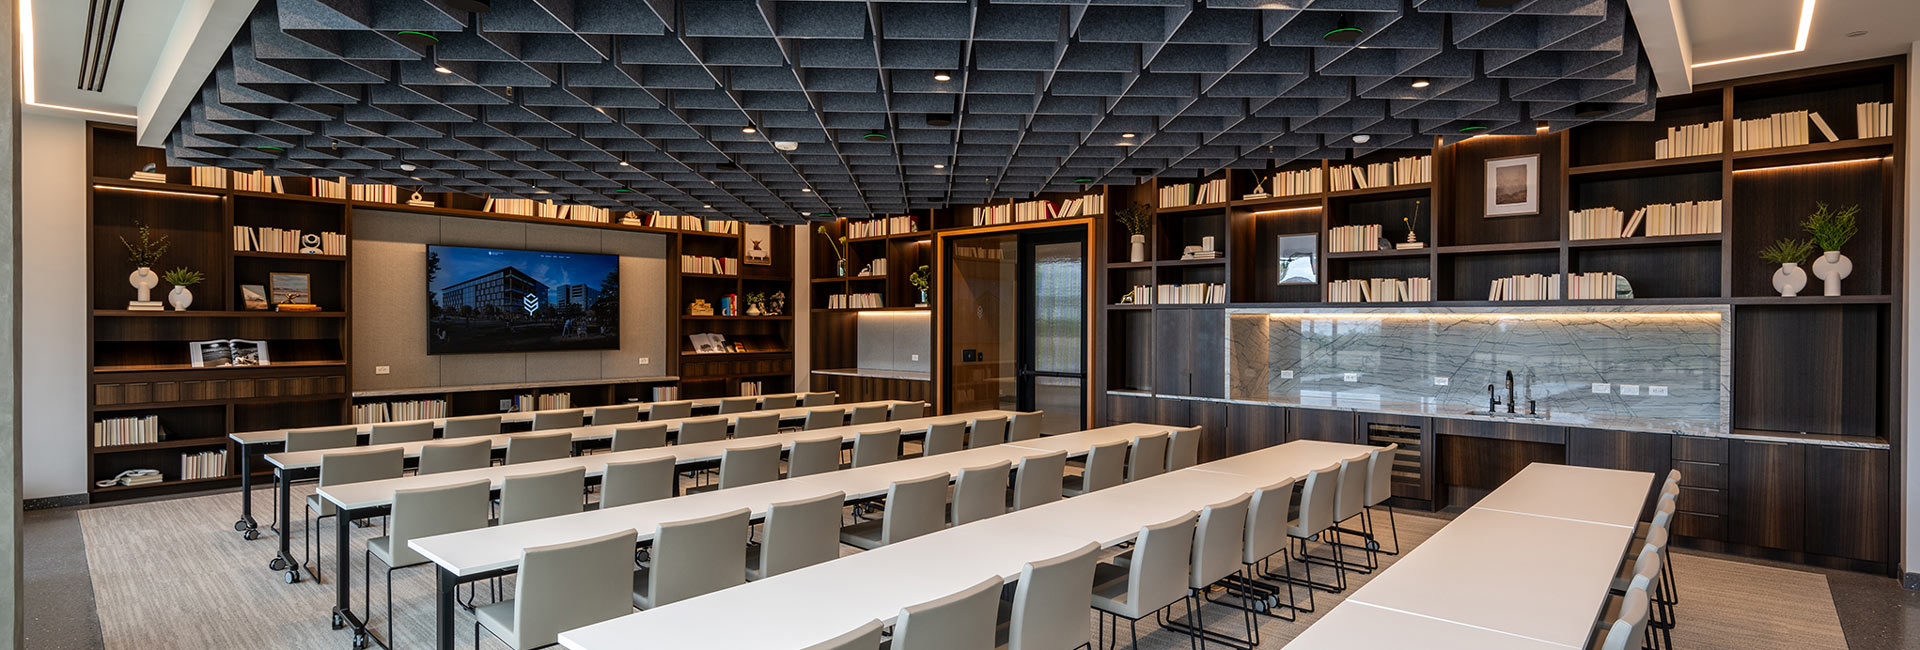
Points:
290	288
1297	257
1513	186
228	353
253	297
757	244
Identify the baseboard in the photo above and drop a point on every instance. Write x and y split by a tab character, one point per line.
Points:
1911	581
43	503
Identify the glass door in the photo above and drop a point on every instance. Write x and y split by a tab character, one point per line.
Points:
1016	331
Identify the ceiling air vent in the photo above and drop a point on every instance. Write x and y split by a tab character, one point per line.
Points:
103	21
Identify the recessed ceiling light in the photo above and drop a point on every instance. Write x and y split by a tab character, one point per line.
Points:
624	163
406	167
1362	138
1126	135
943	76
804	213
1421	83
749	129
939	166
785	145
807	190
442	69
1799	39
706	207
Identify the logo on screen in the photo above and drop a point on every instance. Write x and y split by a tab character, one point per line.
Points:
531	302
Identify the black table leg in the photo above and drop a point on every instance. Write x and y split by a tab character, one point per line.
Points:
247	528
443	612
343	606
285	562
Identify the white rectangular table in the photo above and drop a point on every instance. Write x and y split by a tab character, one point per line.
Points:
1357	626
1578	493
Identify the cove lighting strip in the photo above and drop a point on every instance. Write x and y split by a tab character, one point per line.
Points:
1572	315
26	69
1813	164
1799	40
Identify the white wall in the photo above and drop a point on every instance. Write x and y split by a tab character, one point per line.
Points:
53	356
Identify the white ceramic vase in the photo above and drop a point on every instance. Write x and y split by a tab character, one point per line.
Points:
180	297
1832	267
143	280
1138	252
754	309
1790	279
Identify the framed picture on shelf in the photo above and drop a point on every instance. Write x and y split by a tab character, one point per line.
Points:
1296	259
226	353
291	288
758	240
253	297
1513	186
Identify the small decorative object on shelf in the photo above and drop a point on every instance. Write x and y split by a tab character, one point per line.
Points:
310	244
1259	189
1413	227
700	307
921	278
419	202
777	304
754	301
253	297
1136	218
1830	229
150	174
181	278
144	255
291	288
1789	279
839	251
222	353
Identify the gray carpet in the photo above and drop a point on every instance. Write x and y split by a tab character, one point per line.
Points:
213	590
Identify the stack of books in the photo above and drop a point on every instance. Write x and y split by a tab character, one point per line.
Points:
1597	223
855	301
1787	129
266	239
1185	194
1525	287
214	177
142	479
720	226
1192	293
1294	183
257	181
709	264
138	430
1875	119
1690	140
1381	290
1405	171
206	464
423	409
1353	239
149	177
1598	285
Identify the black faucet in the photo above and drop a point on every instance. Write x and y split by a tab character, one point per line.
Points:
1510	399
1493	403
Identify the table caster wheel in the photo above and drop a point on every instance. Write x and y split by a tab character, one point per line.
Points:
340	623
360	641
278	564
291	577
240	526
1373	545
250	534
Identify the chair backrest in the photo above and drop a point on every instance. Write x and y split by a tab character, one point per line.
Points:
961	621
987	432
1316	502
1352	496
1663	515
326	438
437	457
800	534
819	399
673	410
1629	631
425	512
565	586
944	438
915	507
875	447
1050	605
640	436
742	466
868	414
1380	473
698	557
748	425
907	411
825	417
1218	540
981	492
472	425
568	419
535	447
773	402
1039	480
816	456
537	496
355	466
1106	464
1267	516
1158	574
1149	457
1183	448
1023	426
638	481
621	414
697	430
1646	567
387	434
1673	477
739	404
865	637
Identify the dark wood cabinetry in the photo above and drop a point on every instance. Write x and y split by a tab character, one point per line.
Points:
867	389
1847	501
1189	352
1314	424
1767	491
1627	450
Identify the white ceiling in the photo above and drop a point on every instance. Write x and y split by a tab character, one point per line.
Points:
60	28
1722	29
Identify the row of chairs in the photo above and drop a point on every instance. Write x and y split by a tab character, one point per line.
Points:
1640	612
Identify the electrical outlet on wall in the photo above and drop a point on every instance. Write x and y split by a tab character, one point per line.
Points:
1286	374
383	370
1439	381
1629	389
1657	391
645	361
1600	388
1350	377
916	357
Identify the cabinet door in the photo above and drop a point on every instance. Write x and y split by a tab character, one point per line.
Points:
1253	427
1628	450
1217	425
1313	424
1847	502
1766	494
1206	353
1170	412
1171	339
1122	409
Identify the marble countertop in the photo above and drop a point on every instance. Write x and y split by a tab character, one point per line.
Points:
876	373
394	392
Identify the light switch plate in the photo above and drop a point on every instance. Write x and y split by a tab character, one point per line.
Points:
1657	391
645	360
1350	377
1629	389
382	370
916	357
1602	389
1439	381
1286	374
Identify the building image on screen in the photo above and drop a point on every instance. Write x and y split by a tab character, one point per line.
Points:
498	300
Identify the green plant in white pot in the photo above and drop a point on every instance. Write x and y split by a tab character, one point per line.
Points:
1830	229
1136	218
181	278
1788	253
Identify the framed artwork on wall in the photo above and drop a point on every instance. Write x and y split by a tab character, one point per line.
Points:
1296	259
758	244
1513	186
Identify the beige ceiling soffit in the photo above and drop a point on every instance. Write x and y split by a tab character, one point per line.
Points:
201	36
1663	36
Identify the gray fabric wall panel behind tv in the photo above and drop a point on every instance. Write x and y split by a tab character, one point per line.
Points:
390	311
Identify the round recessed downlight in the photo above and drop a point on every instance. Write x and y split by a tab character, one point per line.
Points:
407	167
1421	83
807	190
706	207
1127	135
943	76
1362	138
624	163
749	129
939	166
442	69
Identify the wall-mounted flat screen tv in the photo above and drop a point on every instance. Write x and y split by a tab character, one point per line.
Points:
497	300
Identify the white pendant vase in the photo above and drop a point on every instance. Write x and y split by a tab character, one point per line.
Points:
1790	279
1138	251
143	280
180	297
754	309
1832	267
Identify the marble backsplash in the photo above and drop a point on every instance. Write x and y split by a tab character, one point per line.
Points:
1393	359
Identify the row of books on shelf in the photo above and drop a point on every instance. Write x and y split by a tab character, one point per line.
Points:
1185	194
137	430
419	409
1788	129
1353	239
1292	183
709	264
548	210
881	227
855	301
267	239
205	464
1660	220
1405	171
874	269
1380	290
1041	210
1598	285
1690	140
542	402
1875	119
750	388
341	189
692	223
215	177
1192	293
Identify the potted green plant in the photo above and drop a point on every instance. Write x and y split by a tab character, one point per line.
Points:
1136	218
1788	253
921	278
181	278
144	255
839	250
755	300
1830	229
